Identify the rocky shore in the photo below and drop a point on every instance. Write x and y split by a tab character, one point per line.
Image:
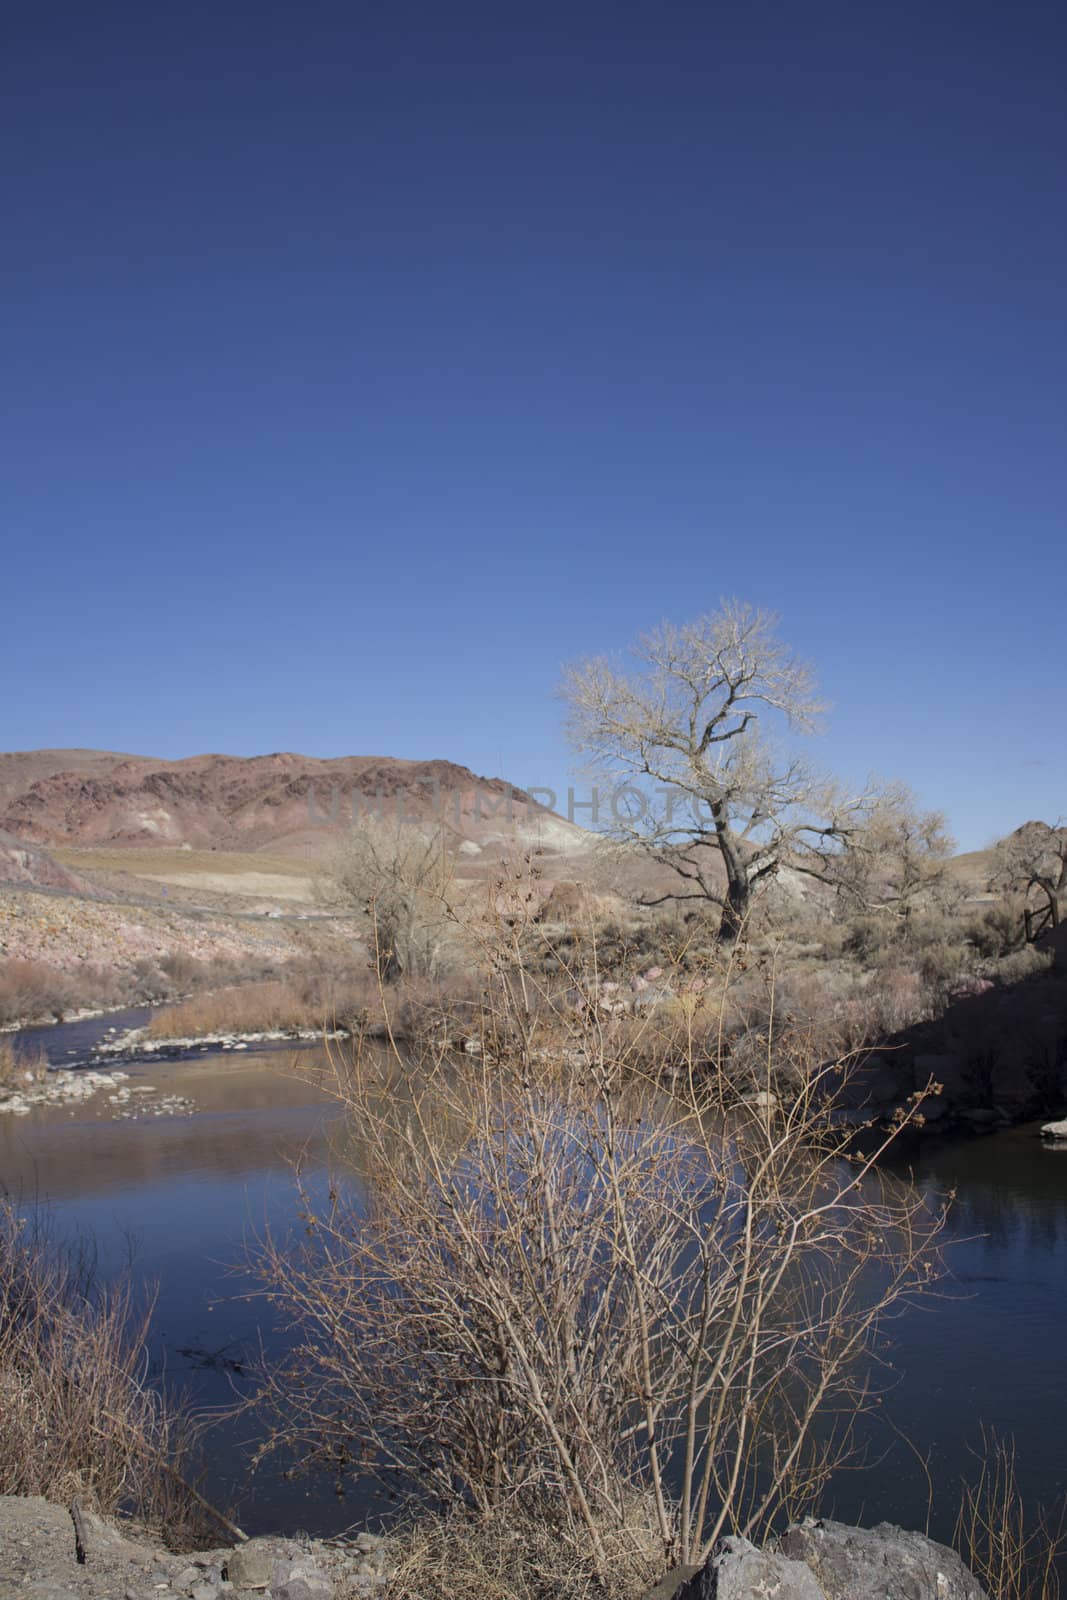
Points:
51	1552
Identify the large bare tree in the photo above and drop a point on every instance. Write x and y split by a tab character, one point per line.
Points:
699	721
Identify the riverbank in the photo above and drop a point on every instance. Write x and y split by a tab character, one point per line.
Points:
64	956
58	1552
54	1552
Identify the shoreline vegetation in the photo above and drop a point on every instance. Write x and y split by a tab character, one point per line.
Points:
954	996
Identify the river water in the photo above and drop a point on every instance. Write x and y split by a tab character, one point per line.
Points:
181	1194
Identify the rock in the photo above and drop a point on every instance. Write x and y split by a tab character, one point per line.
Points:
881	1563
203	1591
311	1587
826	1561
299	1579
1054	1130
251	1565
667	1588
738	1571
367	1543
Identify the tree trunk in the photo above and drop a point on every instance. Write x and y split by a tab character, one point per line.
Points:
738	885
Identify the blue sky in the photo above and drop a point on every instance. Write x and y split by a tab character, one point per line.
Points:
364	362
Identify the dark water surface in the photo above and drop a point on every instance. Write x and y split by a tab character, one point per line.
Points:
182	1193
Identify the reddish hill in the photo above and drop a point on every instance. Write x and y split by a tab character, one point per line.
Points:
281	802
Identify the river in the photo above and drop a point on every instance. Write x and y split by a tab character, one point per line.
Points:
181	1193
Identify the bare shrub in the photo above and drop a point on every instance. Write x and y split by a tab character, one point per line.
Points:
76	1413
544	1283
32	989
184	971
402	879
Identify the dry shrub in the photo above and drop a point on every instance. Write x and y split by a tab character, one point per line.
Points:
1029	962
184	971
1014	1553
547	1286
996	930
33	990
77	1415
30	990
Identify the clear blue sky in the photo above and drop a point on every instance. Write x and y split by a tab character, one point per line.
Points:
362	362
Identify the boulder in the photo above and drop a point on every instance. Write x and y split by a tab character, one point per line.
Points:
819	1560
738	1571
1054	1130
251	1565
881	1563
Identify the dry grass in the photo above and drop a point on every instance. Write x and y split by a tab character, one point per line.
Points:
157	863
277	1005
510	1557
76	1413
1013	1551
322	997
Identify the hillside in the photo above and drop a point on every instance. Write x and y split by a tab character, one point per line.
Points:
285	804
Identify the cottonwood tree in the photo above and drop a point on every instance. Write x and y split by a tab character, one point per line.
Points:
1032	862
401	877
700	716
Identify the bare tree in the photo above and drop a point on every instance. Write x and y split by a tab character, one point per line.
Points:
401	877
700	718
1032	862
895	859
546	1286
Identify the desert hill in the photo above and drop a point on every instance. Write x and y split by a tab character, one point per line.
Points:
285	804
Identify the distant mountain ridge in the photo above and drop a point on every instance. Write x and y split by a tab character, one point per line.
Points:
283	802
